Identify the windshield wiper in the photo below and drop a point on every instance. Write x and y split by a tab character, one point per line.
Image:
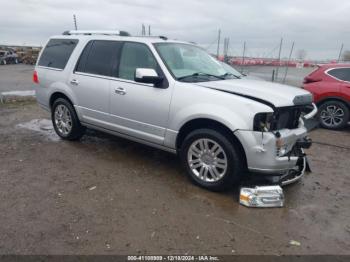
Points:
200	74
229	74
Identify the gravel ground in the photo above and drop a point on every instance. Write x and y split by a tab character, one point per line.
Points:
16	77
105	195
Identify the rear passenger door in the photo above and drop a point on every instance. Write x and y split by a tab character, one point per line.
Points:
90	81
137	109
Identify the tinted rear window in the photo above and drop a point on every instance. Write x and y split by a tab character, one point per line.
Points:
99	57
340	73
57	52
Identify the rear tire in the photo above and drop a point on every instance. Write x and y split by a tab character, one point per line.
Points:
211	160
65	120
333	115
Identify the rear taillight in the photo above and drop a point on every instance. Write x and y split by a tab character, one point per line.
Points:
35	77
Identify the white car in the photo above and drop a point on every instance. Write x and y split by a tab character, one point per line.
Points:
174	96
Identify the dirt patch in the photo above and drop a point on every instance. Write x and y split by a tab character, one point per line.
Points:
105	195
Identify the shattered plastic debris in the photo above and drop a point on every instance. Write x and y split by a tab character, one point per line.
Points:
92	188
42	126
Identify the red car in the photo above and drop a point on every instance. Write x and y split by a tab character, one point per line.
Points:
330	86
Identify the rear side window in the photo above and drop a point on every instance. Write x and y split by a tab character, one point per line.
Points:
99	57
57	52
340	73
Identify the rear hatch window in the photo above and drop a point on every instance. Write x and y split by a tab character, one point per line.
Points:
57	52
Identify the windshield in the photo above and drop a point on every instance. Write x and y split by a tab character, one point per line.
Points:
2	53
189	63
231	70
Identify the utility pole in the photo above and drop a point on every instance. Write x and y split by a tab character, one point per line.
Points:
287	67
340	52
227	41
143	32
279	59
224	52
218	49
149	30
243	56
75	22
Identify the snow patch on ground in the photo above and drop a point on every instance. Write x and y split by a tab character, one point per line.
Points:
19	93
42	126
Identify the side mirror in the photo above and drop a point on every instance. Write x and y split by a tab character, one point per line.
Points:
148	76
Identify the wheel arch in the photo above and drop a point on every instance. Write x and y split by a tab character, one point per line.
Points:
333	98
54	96
198	123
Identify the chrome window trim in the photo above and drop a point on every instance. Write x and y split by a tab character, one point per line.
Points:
51	68
112	78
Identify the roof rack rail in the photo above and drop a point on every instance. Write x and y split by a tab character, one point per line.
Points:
96	32
154	36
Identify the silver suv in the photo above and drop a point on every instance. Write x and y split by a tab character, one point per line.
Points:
174	96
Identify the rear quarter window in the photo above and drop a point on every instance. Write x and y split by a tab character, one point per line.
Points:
57	53
340	73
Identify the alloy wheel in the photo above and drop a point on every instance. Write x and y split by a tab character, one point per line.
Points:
207	160
63	119
332	116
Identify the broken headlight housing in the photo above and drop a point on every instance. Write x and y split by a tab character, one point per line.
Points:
263	122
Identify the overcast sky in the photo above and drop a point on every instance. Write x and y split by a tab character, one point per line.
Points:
319	27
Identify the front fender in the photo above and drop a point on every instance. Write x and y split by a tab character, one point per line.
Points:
221	114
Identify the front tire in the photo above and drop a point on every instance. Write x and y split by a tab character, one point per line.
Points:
211	160
333	115
65	120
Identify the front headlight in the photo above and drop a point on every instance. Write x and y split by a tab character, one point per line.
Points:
262	122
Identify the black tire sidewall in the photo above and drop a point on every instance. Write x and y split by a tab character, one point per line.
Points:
338	104
234	168
77	129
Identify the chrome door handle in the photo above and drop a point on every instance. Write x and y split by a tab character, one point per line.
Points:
74	82
120	91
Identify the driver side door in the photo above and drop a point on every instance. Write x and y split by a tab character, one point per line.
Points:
137	109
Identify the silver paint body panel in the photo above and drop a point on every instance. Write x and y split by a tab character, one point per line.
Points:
154	116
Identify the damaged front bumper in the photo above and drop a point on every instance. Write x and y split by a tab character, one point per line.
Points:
280	157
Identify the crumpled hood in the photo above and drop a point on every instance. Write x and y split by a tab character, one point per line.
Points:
277	94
